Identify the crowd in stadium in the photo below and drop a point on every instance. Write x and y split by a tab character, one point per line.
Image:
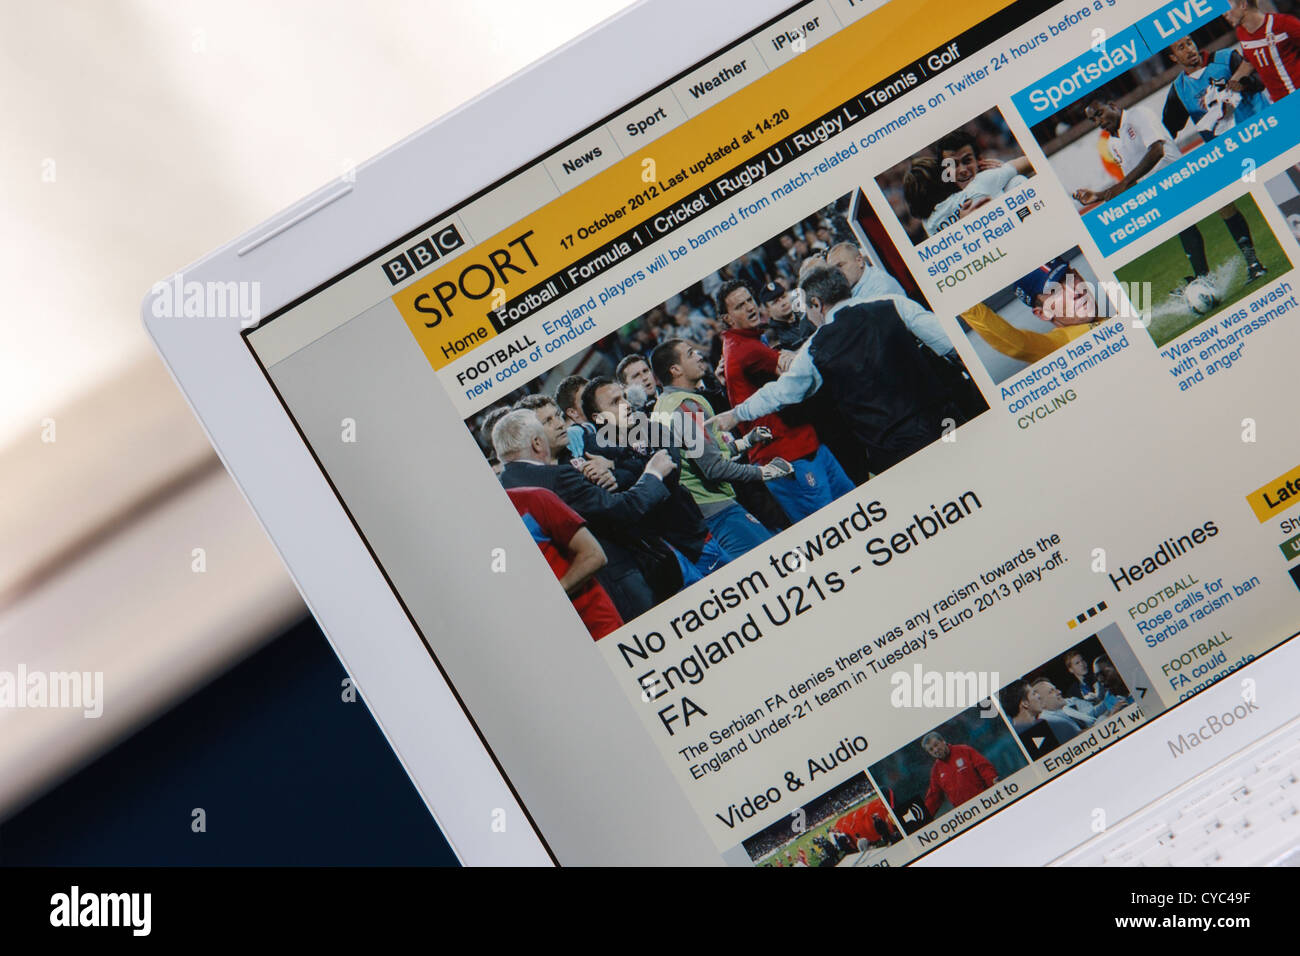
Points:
857	819
692	313
738	408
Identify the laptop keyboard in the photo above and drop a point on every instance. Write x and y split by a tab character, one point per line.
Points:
1243	812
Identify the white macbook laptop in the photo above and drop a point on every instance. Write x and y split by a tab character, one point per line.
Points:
804	436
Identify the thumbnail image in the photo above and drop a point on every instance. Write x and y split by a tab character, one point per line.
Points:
1284	189
1206	268
750	400
955	175
1050	306
1114	136
848	825
948	766
1065	697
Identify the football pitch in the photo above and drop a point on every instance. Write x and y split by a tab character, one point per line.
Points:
1166	268
802	842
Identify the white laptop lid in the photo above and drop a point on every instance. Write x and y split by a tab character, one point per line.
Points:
1063	502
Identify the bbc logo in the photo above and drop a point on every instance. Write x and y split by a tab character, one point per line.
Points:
422	255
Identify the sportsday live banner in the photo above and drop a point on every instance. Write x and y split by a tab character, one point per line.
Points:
1201	172
467	294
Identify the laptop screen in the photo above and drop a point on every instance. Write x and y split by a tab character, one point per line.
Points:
857	432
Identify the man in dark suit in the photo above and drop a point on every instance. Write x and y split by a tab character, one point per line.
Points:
629	439
642	570
874	368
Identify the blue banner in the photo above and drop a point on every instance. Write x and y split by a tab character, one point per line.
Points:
1222	161
1111	56
1082	75
1176	20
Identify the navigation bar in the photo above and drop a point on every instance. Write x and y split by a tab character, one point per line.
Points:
764	167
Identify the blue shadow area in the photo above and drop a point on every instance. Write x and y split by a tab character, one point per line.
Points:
287	772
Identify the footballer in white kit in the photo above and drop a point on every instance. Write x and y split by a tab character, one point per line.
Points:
1143	145
936	199
984	186
1140	142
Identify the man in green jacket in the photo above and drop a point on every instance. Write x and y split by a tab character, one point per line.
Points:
708	469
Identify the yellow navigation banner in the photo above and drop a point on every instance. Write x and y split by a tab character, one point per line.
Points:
1278	495
448	309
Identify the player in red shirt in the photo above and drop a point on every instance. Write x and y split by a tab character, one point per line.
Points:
869	822
1270	44
748	364
960	773
852	825
573	553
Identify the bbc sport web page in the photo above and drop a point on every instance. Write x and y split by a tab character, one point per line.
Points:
891	405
